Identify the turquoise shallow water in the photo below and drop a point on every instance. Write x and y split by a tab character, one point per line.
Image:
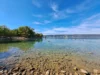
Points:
88	48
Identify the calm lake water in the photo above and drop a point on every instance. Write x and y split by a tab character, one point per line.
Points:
88	48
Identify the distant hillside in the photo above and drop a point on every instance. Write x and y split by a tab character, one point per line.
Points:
75	36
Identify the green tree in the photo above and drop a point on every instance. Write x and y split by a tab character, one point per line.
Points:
25	31
4	31
38	35
14	32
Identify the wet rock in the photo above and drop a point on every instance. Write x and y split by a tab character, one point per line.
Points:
16	69
70	74
17	65
10	71
96	71
32	69
1	67
24	73
56	74
15	73
84	71
5	71
22	70
63	72
76	73
32	72
75	68
1	72
47	72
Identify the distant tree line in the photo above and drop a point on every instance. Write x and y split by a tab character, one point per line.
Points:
23	31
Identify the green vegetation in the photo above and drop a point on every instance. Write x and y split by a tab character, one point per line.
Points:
23	31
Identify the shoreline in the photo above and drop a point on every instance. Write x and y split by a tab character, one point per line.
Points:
55	64
17	39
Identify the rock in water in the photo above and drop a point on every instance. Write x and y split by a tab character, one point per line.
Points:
1	72
75	68
84	71
56	74
76	73
70	74
96	71
63	72
47	72
15	73
24	73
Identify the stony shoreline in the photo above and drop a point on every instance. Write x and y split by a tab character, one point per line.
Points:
54	64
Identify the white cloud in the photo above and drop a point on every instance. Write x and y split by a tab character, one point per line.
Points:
37	23
59	15
82	6
54	7
42	23
90	25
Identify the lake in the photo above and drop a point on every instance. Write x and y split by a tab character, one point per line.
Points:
85	49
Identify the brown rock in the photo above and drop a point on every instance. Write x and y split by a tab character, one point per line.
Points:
1	67
32	72
63	72
22	70
70	74
84	71
56	74
24	73
16	69
76	73
96	71
10	71
5	71
47	72
1	72
15	73
75	68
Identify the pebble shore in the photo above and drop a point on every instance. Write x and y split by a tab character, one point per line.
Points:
54	64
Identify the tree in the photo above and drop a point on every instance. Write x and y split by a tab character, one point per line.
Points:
25	31
14	32
38	35
4	31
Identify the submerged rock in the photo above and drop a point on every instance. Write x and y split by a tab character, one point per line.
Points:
70	74
1	72
96	71
15	73
47	72
75	68
24	73
76	73
84	71
16	69
63	72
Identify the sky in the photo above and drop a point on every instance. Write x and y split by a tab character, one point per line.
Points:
52	16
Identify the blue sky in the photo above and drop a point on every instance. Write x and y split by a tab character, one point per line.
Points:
52	16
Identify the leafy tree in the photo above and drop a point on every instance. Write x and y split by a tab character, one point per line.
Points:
38	35
14	32
25	31
4	31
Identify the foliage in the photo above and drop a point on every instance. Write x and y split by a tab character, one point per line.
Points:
4	31
23	31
